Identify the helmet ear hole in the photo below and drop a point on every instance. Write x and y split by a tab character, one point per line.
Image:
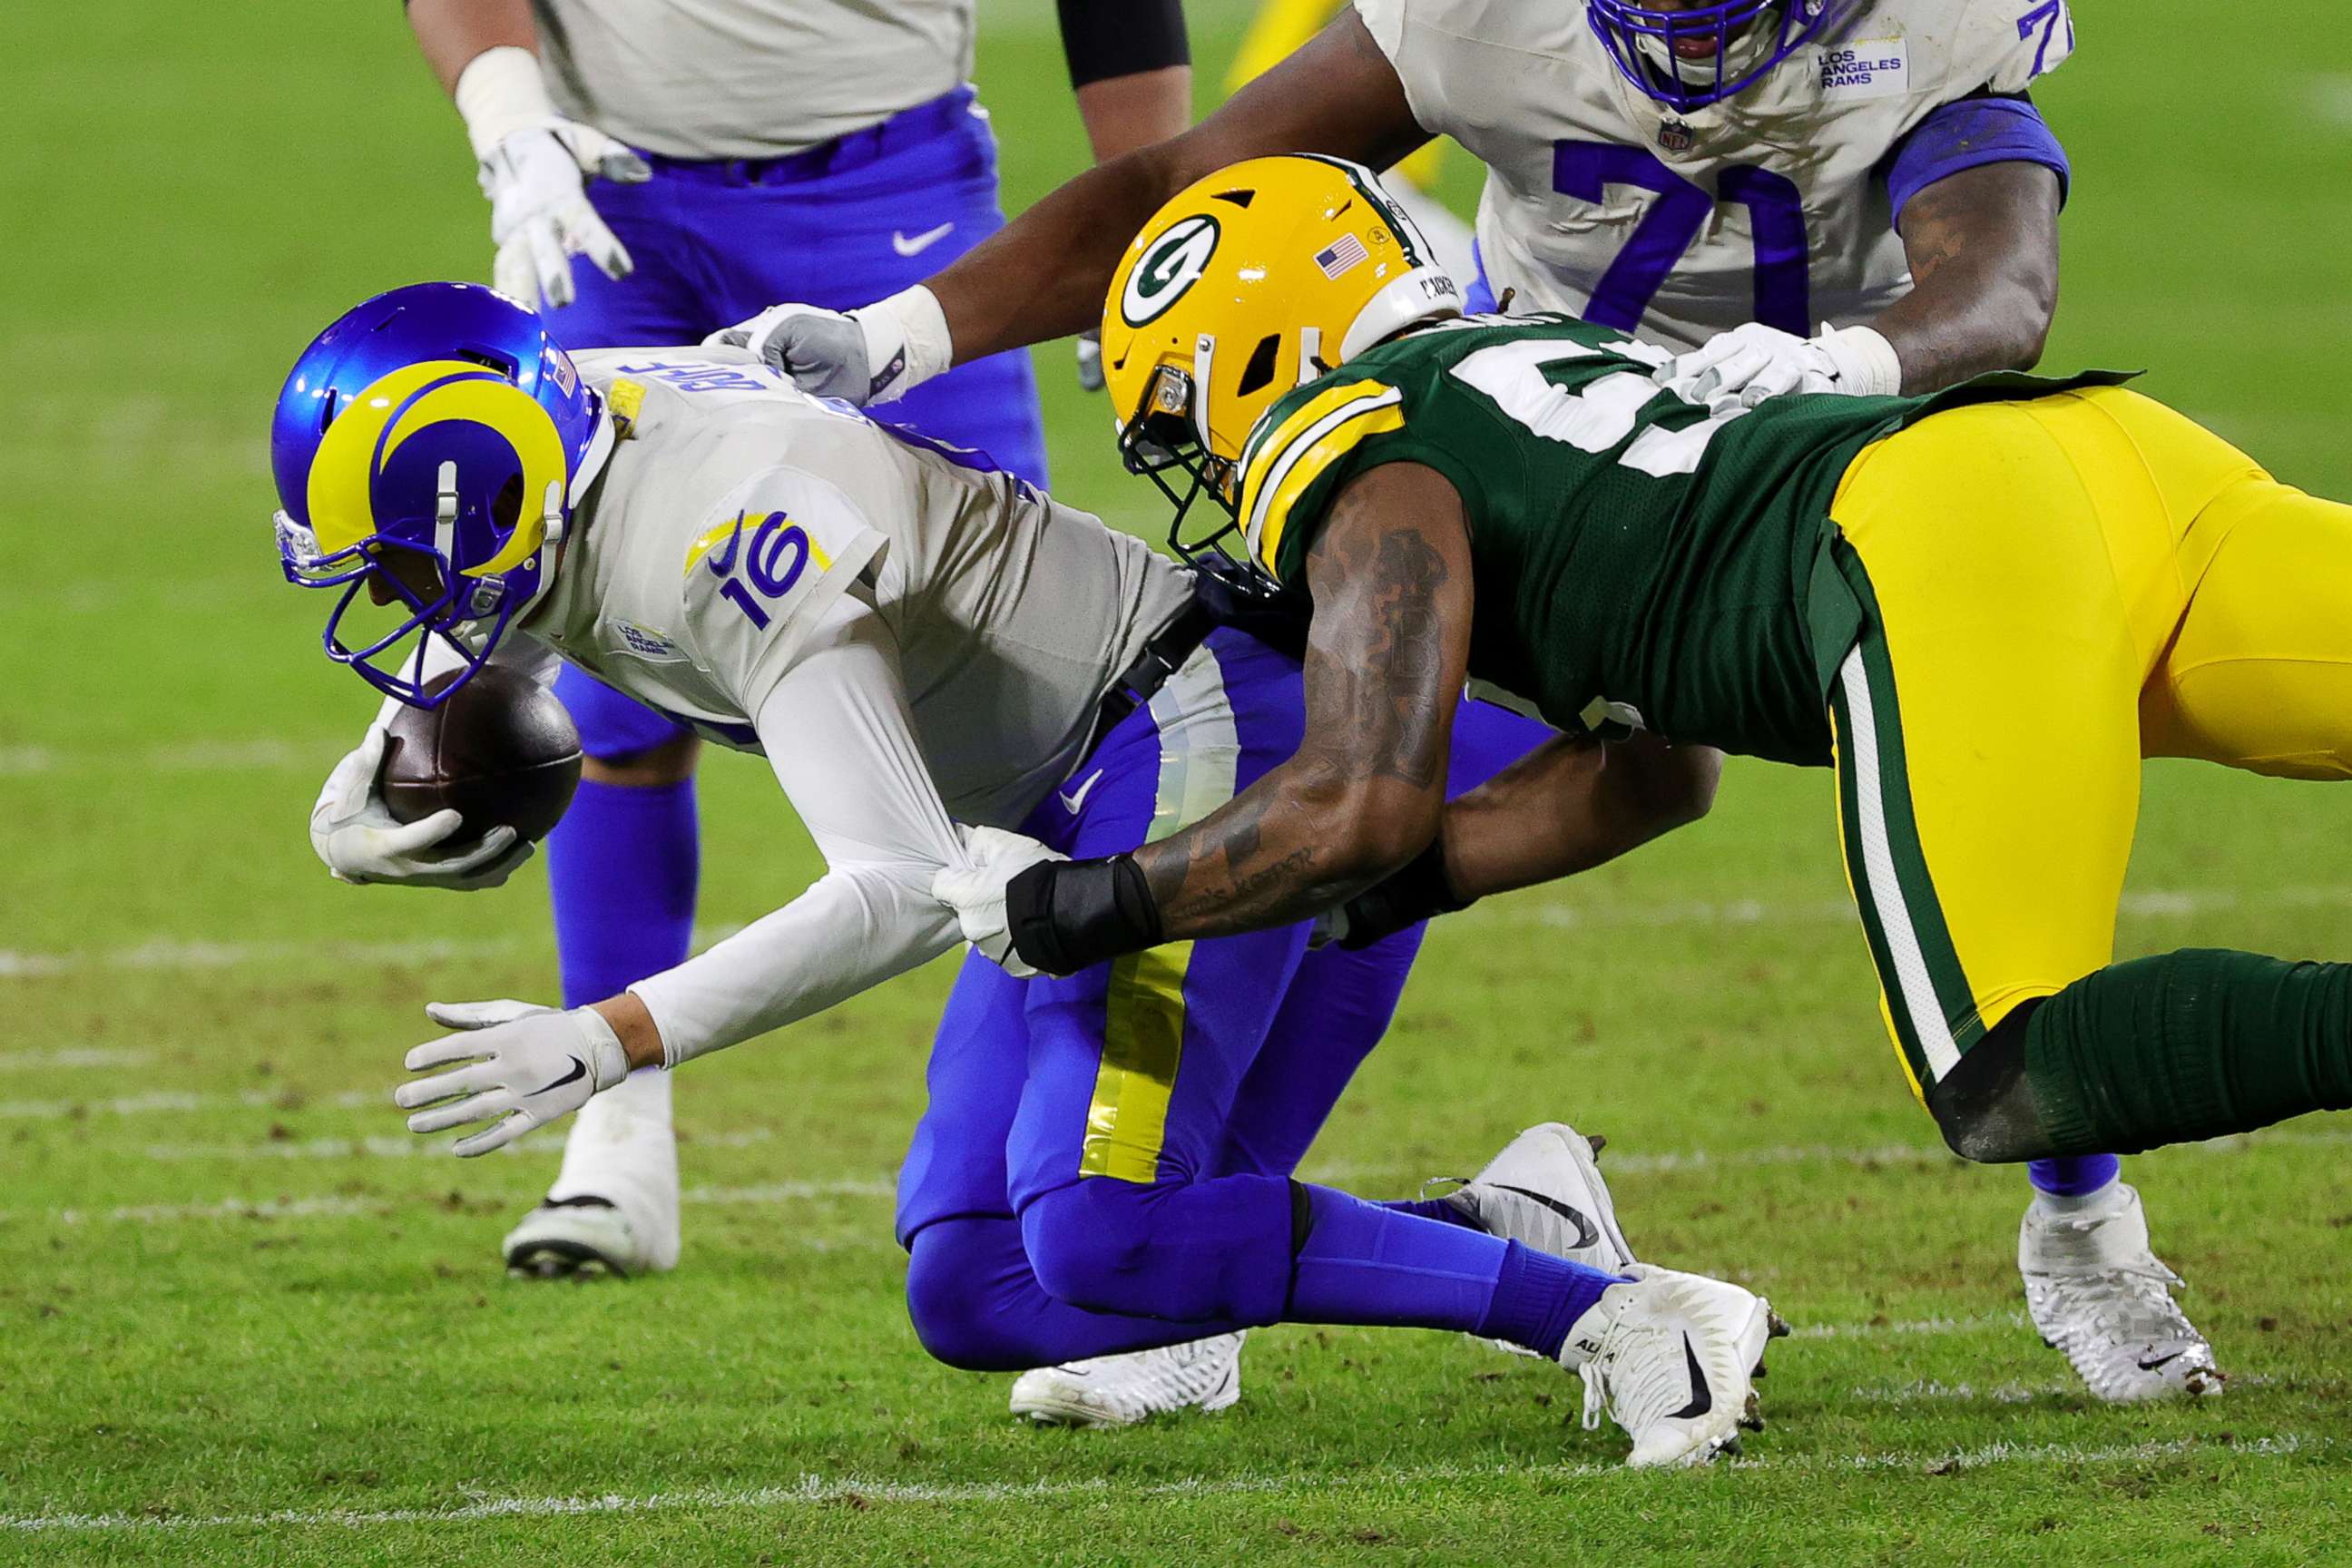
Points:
1260	369
507	510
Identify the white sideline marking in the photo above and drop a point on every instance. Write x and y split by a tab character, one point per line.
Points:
813	1490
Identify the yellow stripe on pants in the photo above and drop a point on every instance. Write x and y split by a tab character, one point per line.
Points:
1143	1010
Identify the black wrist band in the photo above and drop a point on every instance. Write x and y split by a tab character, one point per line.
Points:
1415	894
1064	915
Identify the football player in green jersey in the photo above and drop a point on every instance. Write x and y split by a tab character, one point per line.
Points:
1983	609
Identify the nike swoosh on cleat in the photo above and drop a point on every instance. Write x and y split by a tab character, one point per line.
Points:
2161	1361
579	1069
915	245
1702	1399
1587	1235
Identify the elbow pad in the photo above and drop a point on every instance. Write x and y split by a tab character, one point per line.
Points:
1107	38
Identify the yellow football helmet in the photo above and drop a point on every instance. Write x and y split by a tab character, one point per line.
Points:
1248	283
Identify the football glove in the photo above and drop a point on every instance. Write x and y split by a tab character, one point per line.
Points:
354	833
1090	370
524	1067
975	891
871	354
1743	367
536	179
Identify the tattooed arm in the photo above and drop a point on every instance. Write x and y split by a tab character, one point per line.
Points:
1390	639
1386	657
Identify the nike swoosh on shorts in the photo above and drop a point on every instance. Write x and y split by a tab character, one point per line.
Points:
915	245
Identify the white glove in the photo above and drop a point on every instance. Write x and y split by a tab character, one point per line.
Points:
1742	367
975	891
356	835
871	354
534	167
526	1066
540	213
1090	370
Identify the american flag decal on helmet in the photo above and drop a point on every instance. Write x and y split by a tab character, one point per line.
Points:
1340	255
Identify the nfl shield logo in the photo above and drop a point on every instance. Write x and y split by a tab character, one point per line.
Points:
1676	136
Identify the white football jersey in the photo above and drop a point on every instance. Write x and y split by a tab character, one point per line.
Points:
748	78
1771	206
737	509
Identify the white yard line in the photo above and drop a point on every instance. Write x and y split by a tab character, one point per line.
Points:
72	1057
407	1146
178	953
816	1489
1929	1391
218	756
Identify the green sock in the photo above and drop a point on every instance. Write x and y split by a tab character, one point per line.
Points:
2188	1045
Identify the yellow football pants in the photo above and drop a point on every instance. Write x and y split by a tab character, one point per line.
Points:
2063	586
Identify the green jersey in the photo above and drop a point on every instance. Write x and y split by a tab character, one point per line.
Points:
1634	556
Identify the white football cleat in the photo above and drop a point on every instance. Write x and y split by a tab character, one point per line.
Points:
1121	1390
2096	1291
614	1207
1545	1191
1672	1358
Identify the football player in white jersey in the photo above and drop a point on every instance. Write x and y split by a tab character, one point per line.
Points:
1820	195
917	645
705	157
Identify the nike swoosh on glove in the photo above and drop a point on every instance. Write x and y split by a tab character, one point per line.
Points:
524	1067
355	834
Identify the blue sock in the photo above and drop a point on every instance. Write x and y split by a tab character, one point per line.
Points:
623	865
2075	1175
1430	1208
1540	1297
1365	1263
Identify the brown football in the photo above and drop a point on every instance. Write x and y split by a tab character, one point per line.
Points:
501	750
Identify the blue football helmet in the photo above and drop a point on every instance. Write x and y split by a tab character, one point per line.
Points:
1688	59
438	420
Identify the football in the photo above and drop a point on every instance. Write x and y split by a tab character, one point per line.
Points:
501	750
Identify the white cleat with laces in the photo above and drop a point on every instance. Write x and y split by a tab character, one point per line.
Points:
1122	1390
1545	1191
2096	1291
1672	1358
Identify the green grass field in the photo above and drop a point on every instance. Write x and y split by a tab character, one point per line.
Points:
246	1318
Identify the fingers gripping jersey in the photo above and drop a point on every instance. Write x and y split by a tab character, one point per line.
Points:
1635	559
737	510
1771	206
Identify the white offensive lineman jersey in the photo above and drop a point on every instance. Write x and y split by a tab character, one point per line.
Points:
1771	206
911	643
748	78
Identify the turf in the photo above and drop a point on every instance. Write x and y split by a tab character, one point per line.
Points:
245	1318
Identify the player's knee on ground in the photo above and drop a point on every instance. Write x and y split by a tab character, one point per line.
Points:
963	1301
650	767
1983	1107
1188	1251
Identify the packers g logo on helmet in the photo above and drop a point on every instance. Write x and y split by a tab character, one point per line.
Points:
1173	264
1248	283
